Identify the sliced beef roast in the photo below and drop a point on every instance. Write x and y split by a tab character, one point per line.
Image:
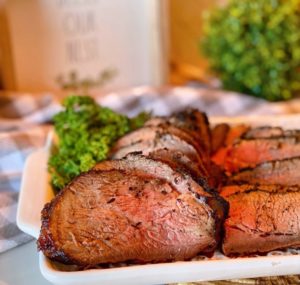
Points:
151	133
269	132
154	201
182	181
218	136
262	219
250	153
152	139
191	121
160	141
233	135
179	161
283	172
133	209
196	125
229	190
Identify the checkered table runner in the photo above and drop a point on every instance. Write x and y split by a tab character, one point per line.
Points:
25	121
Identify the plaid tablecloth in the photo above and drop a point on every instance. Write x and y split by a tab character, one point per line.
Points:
25	120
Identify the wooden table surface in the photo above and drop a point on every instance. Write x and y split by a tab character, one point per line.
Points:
275	280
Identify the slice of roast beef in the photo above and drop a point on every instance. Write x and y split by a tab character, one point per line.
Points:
194	123
218	136
134	209
180	162
183	182
262	220
229	190
173	143
269	132
250	153
138	162
161	141
153	132
264	132
197	123
283	172
191	121
233	135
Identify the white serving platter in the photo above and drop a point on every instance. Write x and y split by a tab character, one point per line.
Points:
35	192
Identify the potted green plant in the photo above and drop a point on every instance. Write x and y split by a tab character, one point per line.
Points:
254	47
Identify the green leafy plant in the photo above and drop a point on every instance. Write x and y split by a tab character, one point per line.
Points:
86	132
254	47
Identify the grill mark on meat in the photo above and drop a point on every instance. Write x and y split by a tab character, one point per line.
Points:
197	123
283	172
136	225
260	233
111	200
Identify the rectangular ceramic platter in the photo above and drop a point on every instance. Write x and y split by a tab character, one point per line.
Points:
35	192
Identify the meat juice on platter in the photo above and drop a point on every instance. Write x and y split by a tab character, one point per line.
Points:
176	188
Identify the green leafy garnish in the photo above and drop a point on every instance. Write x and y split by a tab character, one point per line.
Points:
86	132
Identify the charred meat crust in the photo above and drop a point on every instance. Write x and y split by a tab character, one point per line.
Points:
46	242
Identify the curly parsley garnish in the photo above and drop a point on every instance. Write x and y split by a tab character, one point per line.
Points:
86	132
